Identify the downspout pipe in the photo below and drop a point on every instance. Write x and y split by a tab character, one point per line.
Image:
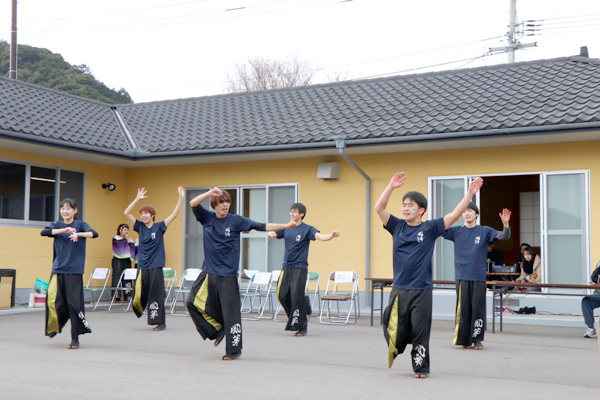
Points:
340	143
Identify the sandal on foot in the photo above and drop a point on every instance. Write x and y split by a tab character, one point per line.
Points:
466	347
219	338
303	332
74	345
478	346
52	335
160	327
229	357
420	376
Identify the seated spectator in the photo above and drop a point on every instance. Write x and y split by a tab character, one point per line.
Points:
531	269
520	257
588	303
494	255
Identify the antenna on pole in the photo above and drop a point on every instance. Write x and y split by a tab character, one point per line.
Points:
513	31
13	42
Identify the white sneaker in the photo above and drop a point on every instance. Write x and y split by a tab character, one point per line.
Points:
591	333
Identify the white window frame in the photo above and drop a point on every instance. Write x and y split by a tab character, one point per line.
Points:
25	222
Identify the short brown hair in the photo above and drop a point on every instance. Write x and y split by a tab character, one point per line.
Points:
224	198
149	209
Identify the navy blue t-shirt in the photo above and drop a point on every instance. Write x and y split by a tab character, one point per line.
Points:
297	241
470	251
151	253
221	241
413	250
69	256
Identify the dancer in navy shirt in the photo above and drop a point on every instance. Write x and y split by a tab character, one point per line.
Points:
64	300
149	287
292	281
214	300
407	319
470	267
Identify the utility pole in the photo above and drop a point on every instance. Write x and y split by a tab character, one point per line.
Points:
13	42
512	22
513	43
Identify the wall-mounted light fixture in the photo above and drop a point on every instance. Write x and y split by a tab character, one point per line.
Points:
109	186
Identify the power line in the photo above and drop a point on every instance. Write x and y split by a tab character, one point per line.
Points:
116	25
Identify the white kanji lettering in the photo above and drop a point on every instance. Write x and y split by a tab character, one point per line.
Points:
153	310
477	239
228	232
83	320
298	237
153	235
478	327
295	316
419	355
236	332
420	236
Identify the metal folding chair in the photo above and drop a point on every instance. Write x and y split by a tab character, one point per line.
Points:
188	278
128	275
170	276
259	288
311	278
340	281
98	275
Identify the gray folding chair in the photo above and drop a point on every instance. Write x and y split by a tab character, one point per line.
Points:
97	282
125	286
259	288
188	278
170	276
342	286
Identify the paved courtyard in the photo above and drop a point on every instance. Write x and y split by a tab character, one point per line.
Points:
123	358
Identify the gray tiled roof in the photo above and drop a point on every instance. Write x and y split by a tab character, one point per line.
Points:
508	98
35	113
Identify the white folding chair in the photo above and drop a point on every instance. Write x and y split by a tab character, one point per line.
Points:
260	288
340	282
127	277
99	277
245	279
170	276
185	284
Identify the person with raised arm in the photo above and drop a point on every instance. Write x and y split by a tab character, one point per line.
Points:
292	280
64	300
407	318
470	267
149	289
214	300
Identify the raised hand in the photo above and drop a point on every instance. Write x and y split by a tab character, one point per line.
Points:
141	194
216	192
505	216
181	191
475	186
397	180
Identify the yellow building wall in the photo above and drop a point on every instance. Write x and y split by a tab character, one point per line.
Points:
331	204
30	254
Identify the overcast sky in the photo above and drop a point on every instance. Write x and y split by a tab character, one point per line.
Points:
170	49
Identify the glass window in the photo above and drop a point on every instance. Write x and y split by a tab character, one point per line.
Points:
30	193
12	190
42	187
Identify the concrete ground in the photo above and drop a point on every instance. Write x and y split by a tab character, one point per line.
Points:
123	358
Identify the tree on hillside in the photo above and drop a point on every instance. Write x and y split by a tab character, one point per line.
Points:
263	74
44	68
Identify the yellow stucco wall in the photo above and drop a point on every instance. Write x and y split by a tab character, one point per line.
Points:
331	204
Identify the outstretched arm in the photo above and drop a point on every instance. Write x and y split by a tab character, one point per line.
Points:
452	217
141	194
381	205
196	201
276	227
505	218
324	238
175	213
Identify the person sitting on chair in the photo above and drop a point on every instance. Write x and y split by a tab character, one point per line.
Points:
531	269
589	303
494	255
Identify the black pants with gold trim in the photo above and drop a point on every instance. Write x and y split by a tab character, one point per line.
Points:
64	301
149	290
291	294
407	319
470	318
215	307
